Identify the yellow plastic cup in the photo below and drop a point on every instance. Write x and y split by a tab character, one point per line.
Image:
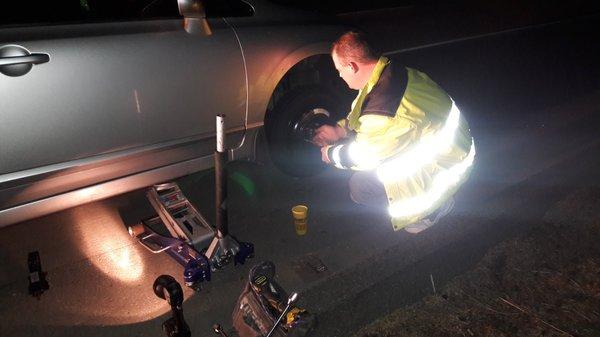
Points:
300	214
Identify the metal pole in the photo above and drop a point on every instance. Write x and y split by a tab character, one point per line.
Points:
224	247
221	179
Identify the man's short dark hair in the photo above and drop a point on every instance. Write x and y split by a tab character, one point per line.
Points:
353	45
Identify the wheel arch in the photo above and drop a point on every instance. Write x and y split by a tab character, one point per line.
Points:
307	67
310	65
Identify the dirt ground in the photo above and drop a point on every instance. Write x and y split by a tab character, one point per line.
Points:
543	283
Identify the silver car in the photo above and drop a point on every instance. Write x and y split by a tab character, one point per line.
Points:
98	98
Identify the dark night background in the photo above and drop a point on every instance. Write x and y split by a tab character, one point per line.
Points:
526	75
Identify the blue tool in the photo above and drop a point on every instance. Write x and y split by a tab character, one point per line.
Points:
196	265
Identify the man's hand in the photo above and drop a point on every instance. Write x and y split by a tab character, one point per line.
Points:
327	135
324	155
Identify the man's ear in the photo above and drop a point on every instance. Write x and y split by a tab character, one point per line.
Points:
354	67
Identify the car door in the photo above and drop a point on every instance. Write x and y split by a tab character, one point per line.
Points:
110	81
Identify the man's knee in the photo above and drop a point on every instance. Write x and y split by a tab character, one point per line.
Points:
358	192
366	189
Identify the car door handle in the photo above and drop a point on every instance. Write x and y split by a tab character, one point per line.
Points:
28	59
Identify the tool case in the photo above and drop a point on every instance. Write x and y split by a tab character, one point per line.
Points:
260	304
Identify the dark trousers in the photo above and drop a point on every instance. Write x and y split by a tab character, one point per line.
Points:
366	189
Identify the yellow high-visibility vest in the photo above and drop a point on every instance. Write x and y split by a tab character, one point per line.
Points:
422	153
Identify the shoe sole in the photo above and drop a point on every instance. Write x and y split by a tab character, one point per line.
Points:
418	227
447	208
421	225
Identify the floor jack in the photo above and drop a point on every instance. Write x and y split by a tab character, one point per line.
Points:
193	243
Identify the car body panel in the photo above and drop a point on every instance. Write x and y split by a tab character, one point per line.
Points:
123	100
74	100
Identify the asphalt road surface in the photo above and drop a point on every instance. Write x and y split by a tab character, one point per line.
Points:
531	97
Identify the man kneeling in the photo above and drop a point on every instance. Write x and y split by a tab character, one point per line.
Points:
404	136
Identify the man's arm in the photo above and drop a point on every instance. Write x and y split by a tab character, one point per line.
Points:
379	137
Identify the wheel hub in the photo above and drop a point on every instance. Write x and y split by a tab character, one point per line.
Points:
304	127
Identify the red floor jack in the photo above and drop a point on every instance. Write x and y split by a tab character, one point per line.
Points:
193	243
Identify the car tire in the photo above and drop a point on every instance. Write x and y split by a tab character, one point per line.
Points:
290	152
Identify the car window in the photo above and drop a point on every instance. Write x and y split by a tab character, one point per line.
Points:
336	7
64	11
42	12
227	8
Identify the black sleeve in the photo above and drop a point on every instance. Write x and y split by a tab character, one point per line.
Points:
386	95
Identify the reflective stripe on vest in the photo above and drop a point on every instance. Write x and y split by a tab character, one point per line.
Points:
410	162
442	182
423	153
